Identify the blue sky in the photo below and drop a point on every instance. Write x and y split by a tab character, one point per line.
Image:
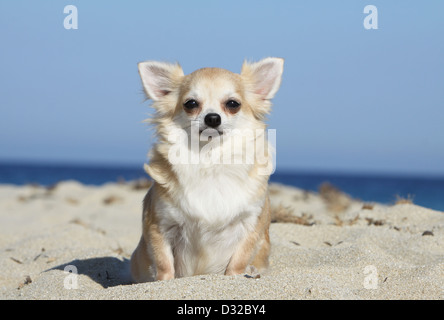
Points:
351	99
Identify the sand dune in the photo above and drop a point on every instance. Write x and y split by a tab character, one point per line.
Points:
324	246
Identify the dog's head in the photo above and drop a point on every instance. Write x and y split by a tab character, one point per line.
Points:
211	97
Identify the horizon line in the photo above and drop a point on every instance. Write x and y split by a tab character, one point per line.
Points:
283	170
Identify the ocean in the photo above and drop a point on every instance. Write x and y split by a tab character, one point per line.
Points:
424	191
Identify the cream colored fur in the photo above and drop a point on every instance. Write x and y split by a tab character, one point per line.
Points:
206	217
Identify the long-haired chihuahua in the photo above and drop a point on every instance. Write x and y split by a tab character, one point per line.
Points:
207	210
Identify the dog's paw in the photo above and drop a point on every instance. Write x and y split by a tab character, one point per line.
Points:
252	272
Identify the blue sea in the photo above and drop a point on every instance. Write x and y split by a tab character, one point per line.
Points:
424	191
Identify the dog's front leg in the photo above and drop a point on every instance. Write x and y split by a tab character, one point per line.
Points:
152	259
242	256
161	252
254	248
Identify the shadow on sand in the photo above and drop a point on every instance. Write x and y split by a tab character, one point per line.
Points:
106	271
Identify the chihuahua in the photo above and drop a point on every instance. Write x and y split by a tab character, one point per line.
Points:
207	210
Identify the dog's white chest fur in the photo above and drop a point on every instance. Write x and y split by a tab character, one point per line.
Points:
213	211
215	194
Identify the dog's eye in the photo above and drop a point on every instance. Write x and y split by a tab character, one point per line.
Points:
191	104
231	104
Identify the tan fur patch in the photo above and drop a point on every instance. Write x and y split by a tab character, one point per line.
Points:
245	253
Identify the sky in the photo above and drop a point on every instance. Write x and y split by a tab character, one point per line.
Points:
351	100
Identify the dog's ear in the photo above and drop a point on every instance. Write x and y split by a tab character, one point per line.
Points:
159	78
264	76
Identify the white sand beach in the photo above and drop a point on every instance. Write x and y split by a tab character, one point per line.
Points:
324	246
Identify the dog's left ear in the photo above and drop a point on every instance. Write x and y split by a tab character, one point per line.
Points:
159	78
264	76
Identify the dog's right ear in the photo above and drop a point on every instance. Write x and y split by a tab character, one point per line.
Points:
159	78
265	76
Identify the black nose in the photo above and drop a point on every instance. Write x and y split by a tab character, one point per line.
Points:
212	120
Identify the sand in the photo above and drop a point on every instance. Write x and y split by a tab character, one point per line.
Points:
324	246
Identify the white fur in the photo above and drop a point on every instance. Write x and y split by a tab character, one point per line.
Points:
209	218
